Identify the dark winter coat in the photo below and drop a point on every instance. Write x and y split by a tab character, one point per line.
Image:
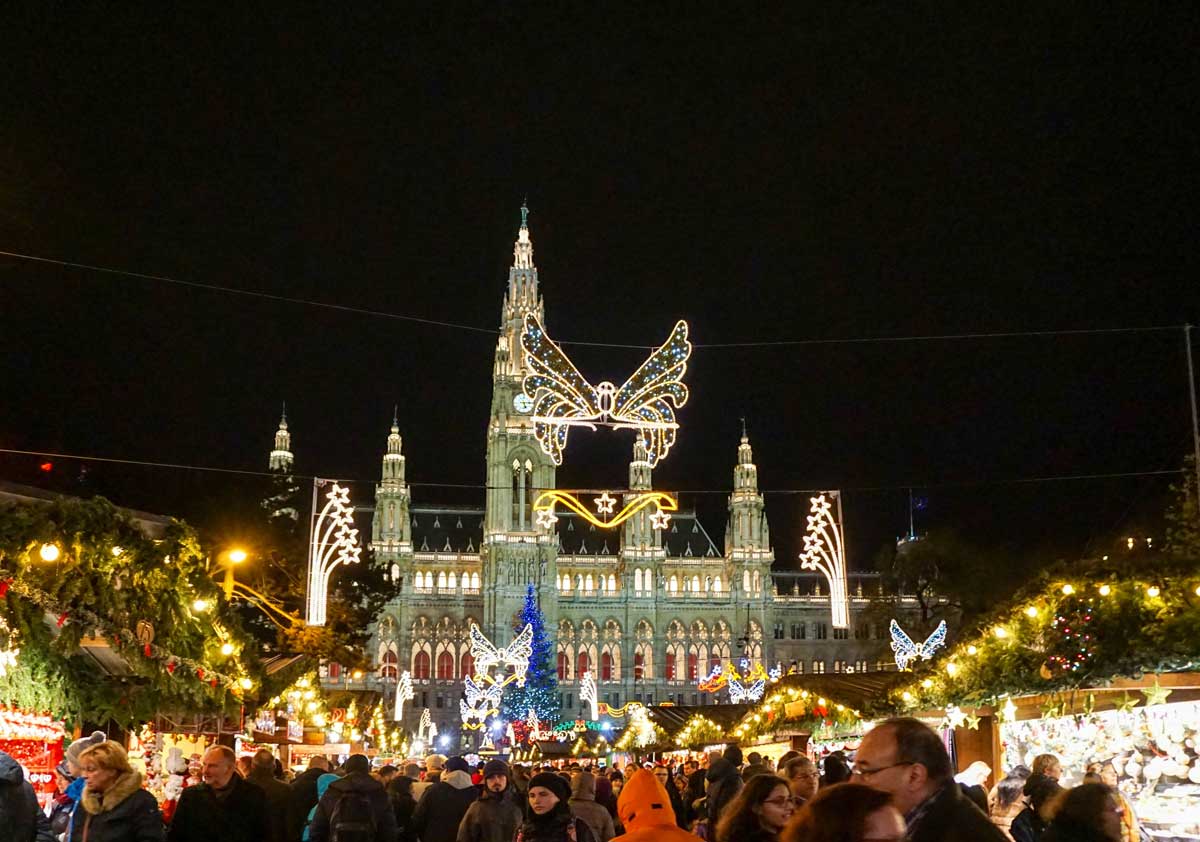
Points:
20	814
558	826
950	816
125	813
1061	830
304	798
443	806
240	816
583	805
495	817
753	769
399	793
724	783
279	798
1027	826
381	808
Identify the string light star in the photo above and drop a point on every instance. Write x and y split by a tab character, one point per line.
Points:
605	503
660	519
546	518
1127	703
972	721
955	716
824	552
1157	694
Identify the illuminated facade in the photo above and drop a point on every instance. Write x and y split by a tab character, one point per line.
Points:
648	612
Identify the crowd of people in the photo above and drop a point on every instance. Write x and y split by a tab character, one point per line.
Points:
899	786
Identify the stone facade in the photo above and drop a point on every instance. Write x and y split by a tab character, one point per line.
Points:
647	611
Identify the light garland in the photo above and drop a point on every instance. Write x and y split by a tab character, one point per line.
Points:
563	398
661	501
641	731
742	688
404	693
824	551
906	651
335	541
426	727
587	693
699	729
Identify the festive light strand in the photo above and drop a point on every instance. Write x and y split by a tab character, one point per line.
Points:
823	551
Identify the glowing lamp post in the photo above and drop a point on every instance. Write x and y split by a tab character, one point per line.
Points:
334	542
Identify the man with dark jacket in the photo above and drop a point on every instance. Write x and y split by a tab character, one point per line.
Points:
304	795
445	803
724	782
495	817
357	787
278	794
224	806
906	758
754	766
20	814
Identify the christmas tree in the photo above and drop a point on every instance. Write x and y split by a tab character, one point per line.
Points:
541	682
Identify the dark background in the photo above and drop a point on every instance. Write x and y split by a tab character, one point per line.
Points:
876	171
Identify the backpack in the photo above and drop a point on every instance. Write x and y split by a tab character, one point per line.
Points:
353	818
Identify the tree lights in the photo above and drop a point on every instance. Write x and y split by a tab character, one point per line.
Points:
824	551
562	398
335	541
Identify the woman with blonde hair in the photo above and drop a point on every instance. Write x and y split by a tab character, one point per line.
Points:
114	807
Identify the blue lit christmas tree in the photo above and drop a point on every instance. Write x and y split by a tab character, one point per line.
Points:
541	681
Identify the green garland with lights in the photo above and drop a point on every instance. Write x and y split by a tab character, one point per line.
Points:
793	710
107	578
1075	627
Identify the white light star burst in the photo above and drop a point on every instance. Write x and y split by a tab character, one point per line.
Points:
824	551
334	542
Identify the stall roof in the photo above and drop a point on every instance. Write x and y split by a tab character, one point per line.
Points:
854	690
674	717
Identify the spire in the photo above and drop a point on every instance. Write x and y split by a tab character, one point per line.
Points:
523	248
390	528
639	468
522	297
747	536
281	457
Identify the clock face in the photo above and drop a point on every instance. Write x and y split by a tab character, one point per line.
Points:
522	403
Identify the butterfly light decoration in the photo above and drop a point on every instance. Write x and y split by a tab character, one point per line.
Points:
907	651
752	692
515	655
563	398
480	703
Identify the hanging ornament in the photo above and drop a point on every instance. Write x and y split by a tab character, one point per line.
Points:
171	667
1157	694
62	618
5	584
200	674
146	650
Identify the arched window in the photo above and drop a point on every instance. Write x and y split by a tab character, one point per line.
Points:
582	663
693	667
606	664
639	666
746	581
637	581
603	585
467	668
757	582
564	664
695	584
421	664
673	585
612	583
419	580
452	581
670	665
718	587
390	670
445	665
475	581
589	584
441	580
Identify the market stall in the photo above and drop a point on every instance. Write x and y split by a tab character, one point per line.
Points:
35	740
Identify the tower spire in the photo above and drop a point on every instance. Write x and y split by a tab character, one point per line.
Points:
281	457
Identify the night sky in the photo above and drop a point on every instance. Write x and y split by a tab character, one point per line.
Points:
824	175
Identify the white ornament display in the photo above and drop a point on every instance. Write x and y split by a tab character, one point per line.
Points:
563	398
907	651
404	693
824	551
587	693
515	655
480	702
334	542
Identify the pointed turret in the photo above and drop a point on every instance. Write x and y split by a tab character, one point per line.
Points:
391	526
747	534
639	535
281	457
521	297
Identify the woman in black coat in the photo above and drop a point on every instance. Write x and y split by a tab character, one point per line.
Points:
114	807
549	818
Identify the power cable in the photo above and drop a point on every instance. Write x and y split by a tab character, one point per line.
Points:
778	343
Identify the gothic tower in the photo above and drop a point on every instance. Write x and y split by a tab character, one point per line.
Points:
391	528
281	457
516	550
748	546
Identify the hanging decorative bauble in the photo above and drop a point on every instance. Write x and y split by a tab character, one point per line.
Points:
145	632
1044	672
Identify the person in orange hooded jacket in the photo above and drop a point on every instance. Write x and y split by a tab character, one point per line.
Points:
645	811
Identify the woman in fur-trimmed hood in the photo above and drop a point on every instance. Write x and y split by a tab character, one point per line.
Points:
114	807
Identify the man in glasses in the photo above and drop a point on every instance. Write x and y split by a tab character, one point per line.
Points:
904	757
802	776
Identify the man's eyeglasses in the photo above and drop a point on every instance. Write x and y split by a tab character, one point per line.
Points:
867	774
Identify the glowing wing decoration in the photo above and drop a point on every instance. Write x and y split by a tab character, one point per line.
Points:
907	651
752	692
515	655
563	398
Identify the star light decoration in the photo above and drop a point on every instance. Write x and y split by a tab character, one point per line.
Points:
749	687
824	552
563	398
587	693
334	542
605	504
1157	694
955	717
404	693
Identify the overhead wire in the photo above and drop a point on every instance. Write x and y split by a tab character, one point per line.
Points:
767	343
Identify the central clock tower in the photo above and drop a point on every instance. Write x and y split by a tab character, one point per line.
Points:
516	551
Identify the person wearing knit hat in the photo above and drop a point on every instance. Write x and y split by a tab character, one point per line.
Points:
433	773
64	804
496	816
78	747
550	818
